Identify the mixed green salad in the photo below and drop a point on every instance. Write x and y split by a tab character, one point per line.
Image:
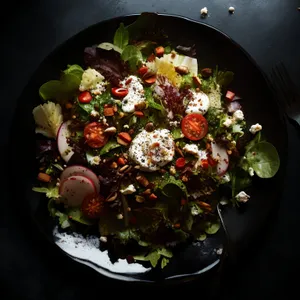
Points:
142	144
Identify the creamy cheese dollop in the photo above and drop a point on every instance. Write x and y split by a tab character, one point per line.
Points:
135	93
152	150
199	103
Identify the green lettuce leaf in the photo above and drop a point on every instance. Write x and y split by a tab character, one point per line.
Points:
121	37
151	101
133	56
76	215
110	145
170	185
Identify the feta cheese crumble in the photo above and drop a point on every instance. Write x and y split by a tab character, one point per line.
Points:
199	103
255	128
242	197
231	9
251	171
130	189
90	79
152	150
135	93
204	11
238	115
228	122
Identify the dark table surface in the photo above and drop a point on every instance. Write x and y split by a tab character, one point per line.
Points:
30	267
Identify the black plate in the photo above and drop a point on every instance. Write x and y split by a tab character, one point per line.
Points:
213	48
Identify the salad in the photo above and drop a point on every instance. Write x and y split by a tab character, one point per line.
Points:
140	144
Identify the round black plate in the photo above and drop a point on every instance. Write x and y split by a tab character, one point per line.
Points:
213	48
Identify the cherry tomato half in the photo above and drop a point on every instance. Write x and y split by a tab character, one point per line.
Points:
92	206
119	92
94	135
194	126
180	163
85	97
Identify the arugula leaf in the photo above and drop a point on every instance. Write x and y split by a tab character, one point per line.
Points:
51	192
264	159
76	215
167	187
121	37
151	101
110	145
126	235
133	56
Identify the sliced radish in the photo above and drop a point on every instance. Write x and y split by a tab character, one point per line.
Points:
219	153
83	171
75	188
63	147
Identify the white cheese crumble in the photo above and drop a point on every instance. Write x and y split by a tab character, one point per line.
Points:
231	9
228	122
135	93
225	178
204	11
194	211
130	189
103	239
94	113
199	103
242	197
238	115
152	150
90	79
95	160
191	149
255	128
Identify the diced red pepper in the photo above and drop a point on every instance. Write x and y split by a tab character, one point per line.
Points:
204	163
159	51
180	163
108	111
230	95
121	161
125	137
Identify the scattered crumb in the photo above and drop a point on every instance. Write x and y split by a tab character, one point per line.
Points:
231	9
204	11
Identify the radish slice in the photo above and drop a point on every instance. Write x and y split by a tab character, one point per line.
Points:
219	153
83	171
63	147
75	188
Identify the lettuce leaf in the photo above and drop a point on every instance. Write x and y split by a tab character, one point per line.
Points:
167	187
51	192
121	37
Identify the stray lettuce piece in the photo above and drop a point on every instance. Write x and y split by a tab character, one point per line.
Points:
164	262
75	214
154	256
48	118
264	159
133	56
63	219
121	37
51	192
212	227
167	186
202	237
110	145
109	46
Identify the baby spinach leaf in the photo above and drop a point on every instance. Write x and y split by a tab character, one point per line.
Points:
121	37
111	144
264	159
132	55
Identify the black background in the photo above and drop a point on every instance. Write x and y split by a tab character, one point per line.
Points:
30	268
